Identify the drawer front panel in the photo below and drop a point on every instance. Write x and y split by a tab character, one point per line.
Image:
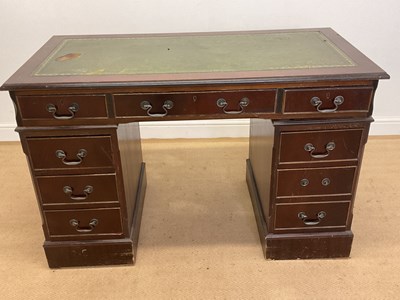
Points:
131	105
85	223
70	152
324	145
324	216
62	108
315	181
327	100
77	189
230	103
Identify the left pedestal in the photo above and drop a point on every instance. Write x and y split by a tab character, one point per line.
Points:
90	184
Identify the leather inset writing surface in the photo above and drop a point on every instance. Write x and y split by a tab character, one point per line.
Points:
193	53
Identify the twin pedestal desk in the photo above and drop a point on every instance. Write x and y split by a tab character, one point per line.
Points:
309	95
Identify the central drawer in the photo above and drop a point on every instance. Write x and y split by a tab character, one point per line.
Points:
242	102
315	181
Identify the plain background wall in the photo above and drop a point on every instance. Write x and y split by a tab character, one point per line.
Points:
372	26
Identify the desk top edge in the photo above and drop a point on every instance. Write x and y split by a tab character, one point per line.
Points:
365	69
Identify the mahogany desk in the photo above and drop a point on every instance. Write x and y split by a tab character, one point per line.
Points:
79	99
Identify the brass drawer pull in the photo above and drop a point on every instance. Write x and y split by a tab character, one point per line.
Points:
73	108
317	102
221	102
92	224
311	148
304	182
146	105
80	155
310	222
87	190
326	181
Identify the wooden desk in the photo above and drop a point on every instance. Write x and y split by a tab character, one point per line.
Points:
79	99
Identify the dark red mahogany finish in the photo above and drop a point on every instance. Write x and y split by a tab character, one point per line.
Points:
81	136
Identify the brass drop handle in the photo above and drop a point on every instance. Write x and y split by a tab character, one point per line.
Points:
310	222
73	108
304	182
325	182
63	156
92	224
311	148
317	102
146	105
87	190
221	102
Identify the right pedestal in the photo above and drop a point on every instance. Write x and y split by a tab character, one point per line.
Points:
302	178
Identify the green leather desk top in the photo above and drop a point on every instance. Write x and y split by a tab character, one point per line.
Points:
193	59
191	54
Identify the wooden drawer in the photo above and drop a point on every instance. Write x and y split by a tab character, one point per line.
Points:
327	100
62	109
315	181
77	190
83	223
312	216
320	145
65	153
179	104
